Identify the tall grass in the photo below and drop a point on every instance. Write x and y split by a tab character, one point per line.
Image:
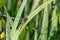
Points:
30	19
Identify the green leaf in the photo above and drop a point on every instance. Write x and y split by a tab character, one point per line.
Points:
34	13
0	26
2	3
7	29
16	21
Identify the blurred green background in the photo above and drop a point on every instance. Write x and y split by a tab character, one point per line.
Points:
29	20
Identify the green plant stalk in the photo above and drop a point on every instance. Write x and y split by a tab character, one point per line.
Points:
50	8
11	23
34	12
54	24
26	11
0	26
53	31
14	8
27	34
35	4
16	21
26	22
44	29
7	29
59	15
9	5
36	30
41	7
18	15
22	35
10	20
24	15
59	25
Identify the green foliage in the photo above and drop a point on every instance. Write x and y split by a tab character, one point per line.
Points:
30	20
2	2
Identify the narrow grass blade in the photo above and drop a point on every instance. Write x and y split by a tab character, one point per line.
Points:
36	30
34	14
27	34
0	26
44	29
59	17
16	21
9	5
35	4
53	31
10	20
7	29
39	8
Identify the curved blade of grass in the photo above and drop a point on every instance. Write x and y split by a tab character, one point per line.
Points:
33	14
35	4
40	8
16	21
25	13
19	15
30	16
